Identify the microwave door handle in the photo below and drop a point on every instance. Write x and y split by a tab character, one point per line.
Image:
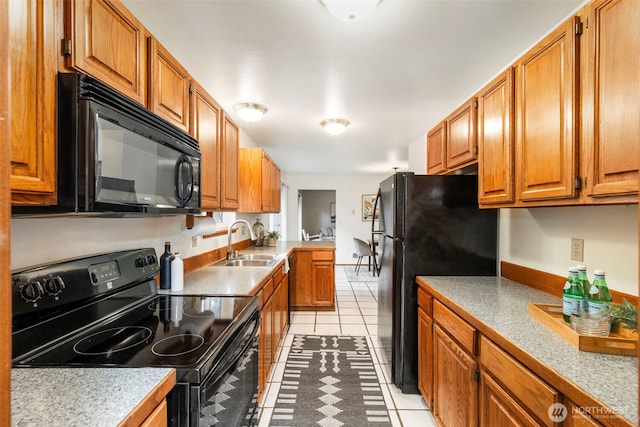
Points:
179	180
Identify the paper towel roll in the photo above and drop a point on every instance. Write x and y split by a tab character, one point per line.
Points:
202	226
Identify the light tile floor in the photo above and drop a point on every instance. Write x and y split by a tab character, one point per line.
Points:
356	314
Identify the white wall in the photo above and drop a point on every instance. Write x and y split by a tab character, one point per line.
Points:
349	190
418	156
540	238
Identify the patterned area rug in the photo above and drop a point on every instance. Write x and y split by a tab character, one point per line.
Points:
329	381
363	275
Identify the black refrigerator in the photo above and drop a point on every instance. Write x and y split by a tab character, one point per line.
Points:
428	226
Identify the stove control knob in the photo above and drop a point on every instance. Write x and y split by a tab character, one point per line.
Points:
31	292
54	286
151	259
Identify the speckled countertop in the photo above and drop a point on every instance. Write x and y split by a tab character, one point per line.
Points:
63	397
502	305
221	280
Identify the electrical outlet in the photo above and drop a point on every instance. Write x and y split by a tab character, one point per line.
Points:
577	249
194	241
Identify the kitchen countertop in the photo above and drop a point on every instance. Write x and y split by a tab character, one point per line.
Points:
221	280
502	305
96	397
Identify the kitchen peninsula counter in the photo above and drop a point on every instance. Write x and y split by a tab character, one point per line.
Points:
498	308
221	280
97	397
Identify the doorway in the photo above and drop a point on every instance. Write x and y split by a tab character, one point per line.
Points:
317	213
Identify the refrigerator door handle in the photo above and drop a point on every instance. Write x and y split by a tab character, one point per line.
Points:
375	233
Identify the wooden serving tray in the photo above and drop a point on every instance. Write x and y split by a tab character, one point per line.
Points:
551	316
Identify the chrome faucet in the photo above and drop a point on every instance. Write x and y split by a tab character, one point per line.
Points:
230	251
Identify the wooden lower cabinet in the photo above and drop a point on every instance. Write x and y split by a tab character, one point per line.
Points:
498	408
522	385
158	417
274	320
455	388
425	356
312	279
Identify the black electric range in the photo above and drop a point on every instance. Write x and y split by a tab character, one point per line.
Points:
105	310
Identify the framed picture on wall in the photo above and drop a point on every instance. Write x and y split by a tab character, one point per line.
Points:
367	208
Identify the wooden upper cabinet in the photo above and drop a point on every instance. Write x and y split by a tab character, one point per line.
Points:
547	117
611	94
205	124
436	149
259	182
267	183
168	86
230	166
496	141
106	41
32	55
462	142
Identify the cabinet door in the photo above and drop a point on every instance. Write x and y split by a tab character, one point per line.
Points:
436	149
300	289
168	86
495	141
462	141
204	124
108	42
32	55
323	283
275	188
498	409
455	390
425	356
266	170
611	93
229	166
546	117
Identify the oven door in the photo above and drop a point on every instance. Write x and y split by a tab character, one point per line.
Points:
229	395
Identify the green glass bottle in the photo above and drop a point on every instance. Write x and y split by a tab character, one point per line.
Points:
584	279
598	294
572	295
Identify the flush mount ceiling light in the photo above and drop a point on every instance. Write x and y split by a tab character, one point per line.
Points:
334	126
249	111
350	10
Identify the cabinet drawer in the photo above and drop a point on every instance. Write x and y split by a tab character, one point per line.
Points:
267	290
531	391
277	276
424	301
322	256
455	326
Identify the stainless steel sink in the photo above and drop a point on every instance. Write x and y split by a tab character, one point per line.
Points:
257	257
249	260
249	263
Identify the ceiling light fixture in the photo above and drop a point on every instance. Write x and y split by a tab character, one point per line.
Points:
249	111
334	126
350	10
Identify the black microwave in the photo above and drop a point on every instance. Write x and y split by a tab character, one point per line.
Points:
116	158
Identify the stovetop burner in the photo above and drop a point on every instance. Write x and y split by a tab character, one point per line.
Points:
112	340
177	345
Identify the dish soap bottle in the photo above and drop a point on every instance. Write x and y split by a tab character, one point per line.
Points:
572	295
598	294
177	273
165	266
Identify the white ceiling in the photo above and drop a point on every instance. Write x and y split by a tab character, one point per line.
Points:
393	75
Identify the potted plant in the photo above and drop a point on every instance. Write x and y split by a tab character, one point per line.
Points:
273	237
624	318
